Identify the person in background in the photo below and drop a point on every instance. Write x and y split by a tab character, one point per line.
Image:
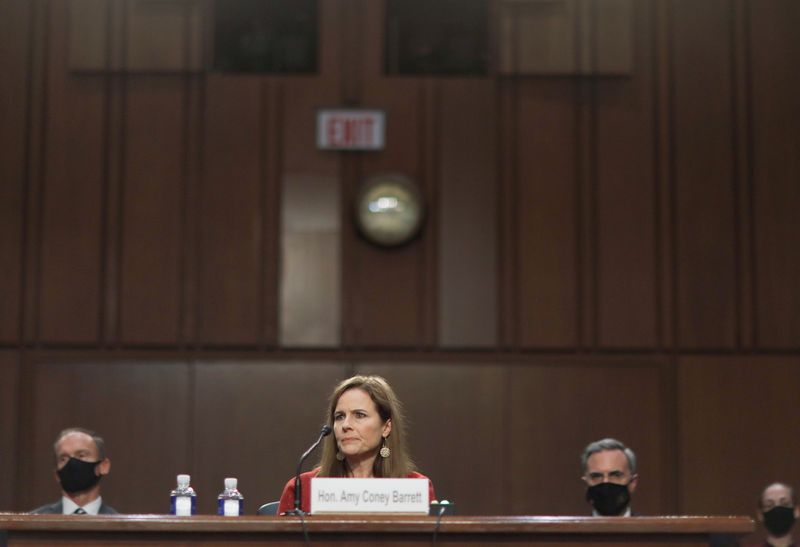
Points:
777	512
369	439
609	471
80	464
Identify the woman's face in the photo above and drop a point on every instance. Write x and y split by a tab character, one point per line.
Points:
357	425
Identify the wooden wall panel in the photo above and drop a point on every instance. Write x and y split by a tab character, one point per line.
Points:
568	37
558	406
253	420
455	433
545	212
387	287
153	234
88	38
140	407
703	173
232	211
624	181
468	223
9	427
15	27
774	44
164	36
72	201
311	210
736	419
310	310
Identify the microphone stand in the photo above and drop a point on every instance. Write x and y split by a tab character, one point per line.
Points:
298	488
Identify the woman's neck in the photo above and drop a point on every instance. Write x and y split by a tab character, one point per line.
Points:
362	468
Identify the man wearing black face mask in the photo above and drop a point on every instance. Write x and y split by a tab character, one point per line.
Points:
609	471
80	464
777	511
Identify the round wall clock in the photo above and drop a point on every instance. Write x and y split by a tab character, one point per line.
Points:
389	209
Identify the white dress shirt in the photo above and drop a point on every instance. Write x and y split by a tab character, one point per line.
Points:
91	508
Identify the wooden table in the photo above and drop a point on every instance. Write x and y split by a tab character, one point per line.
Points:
408	531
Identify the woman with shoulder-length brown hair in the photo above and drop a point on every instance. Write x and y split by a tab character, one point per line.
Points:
368	438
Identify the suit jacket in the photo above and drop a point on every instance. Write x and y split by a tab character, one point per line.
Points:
57	508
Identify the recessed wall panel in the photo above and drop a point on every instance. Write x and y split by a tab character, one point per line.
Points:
468	224
703	173
544	209
15	22
624	189
733	417
310	310
9	427
152	198
139	406
72	200
232	212
776	171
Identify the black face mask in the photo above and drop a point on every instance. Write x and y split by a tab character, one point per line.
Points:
78	475
779	520
609	499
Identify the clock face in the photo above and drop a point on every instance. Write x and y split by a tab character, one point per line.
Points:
389	210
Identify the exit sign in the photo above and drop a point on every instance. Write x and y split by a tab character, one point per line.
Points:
351	129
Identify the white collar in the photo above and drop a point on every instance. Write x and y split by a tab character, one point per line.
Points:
91	508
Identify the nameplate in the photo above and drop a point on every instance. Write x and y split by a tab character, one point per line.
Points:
342	495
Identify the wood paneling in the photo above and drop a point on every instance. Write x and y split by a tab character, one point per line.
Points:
311	209
625	230
9	426
166	35
72	202
774	43
626	222
88	38
468	421
545	211
558	406
310	260
703	157
152	198
140	407
253	420
565	37
232	211
15	27
135	35
467	228
736	418
387	286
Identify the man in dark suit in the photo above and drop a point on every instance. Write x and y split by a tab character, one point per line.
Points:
609	471
80	464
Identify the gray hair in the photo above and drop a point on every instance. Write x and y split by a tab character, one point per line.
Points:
782	484
98	440
608	444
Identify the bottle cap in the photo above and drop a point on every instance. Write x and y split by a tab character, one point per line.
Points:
183	480
230	483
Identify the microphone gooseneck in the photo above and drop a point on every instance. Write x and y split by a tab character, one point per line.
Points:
298	492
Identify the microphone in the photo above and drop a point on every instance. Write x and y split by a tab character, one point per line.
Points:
298	493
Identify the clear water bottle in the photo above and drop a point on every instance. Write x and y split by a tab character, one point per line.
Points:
183	500
230	501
